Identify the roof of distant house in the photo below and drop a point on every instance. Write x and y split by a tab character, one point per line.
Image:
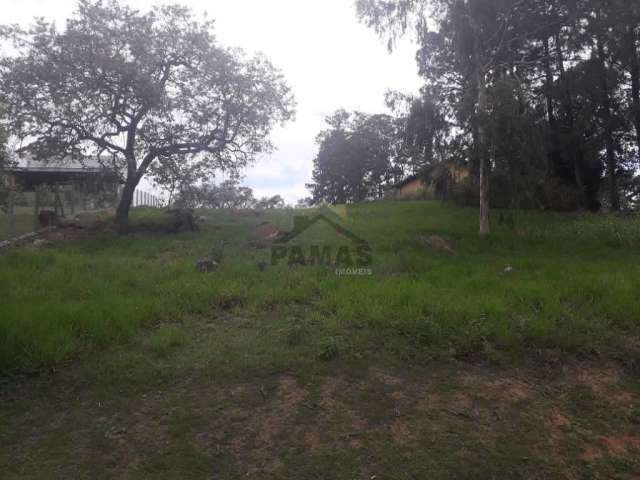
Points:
26	163
405	182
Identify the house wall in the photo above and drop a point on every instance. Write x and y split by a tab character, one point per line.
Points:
415	188
418	188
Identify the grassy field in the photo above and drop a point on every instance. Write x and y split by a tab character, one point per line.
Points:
434	366
573	286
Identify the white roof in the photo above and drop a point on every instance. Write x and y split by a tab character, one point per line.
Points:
67	164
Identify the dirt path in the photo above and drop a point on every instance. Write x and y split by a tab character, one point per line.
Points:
358	422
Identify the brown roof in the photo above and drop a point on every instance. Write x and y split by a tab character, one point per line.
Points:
404	182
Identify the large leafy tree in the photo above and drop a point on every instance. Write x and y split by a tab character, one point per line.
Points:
228	194
139	90
423	131
355	159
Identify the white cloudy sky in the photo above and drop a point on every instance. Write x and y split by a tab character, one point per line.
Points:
329	59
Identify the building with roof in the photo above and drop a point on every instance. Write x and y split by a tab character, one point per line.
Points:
435	182
85	183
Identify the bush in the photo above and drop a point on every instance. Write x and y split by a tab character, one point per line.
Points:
551	194
557	196
171	221
466	193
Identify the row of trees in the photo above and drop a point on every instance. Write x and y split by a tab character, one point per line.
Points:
148	94
543	97
226	195
360	155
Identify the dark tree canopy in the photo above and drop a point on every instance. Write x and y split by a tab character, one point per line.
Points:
543	96
355	158
229	194
139	90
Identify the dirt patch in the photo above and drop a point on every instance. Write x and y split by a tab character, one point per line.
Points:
261	427
290	393
402	432
505	390
605	383
312	440
328	392
557	421
387	378
266	232
436	242
622	445
590	454
599	378
438	401
273	422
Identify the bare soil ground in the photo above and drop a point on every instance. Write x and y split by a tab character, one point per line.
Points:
114	418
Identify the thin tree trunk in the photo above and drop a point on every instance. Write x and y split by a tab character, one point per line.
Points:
575	147
483	156
634	70
553	124
612	164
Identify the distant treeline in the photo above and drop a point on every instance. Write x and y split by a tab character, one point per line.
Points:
228	194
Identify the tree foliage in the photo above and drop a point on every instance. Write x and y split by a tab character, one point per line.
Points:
355	158
145	92
544	97
229	194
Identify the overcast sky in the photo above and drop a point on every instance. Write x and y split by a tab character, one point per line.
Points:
329	60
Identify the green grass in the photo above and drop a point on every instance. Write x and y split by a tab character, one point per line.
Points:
163	372
573	289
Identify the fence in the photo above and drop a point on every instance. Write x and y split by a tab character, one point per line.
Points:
21	212
146	199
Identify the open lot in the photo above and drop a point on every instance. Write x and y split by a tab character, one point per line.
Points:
514	357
